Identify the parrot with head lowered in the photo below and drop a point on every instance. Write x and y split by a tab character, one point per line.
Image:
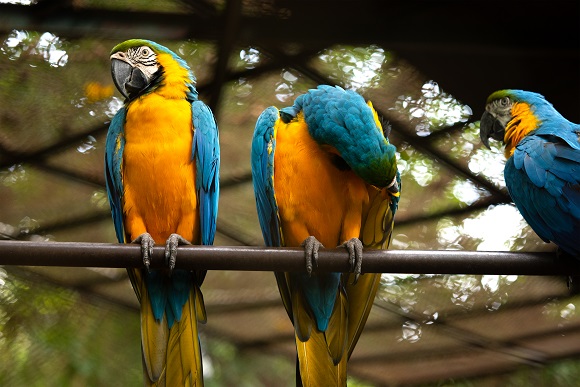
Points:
162	161
325	174
542	171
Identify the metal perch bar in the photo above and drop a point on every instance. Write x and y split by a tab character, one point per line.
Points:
287	259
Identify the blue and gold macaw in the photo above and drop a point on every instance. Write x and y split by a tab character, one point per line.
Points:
162	163
542	171
325	174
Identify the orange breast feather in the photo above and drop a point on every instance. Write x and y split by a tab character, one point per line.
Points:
158	174
313	196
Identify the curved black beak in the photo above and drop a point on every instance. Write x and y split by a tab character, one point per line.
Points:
129	80
490	126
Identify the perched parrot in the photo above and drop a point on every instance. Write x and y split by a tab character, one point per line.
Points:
325	174
542	171
162	163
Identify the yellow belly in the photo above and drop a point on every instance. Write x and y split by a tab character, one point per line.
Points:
314	197
158	173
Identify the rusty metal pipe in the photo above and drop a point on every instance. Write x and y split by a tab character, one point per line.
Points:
287	259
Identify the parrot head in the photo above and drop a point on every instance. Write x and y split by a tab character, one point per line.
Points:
349	128
139	66
498	112
510	115
383	166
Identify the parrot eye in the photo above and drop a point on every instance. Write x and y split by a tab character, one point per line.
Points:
505	101
146	56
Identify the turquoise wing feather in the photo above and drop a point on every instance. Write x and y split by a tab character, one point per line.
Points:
543	177
262	159
206	153
114	146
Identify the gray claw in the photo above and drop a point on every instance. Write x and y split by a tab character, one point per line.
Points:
173	241
147	244
311	246
355	253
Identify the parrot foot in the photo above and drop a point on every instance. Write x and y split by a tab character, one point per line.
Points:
147	244
355	253
311	246
173	241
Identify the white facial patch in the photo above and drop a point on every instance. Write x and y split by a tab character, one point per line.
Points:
501	110
144	58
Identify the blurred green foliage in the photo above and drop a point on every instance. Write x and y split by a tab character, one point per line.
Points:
56	336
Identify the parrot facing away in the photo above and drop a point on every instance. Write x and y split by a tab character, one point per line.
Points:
162	161
325	174
542	171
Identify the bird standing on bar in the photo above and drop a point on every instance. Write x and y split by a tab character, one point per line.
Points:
162	160
542	171
325	174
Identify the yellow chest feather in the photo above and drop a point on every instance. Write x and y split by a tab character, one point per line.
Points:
523	122
158	173
314	197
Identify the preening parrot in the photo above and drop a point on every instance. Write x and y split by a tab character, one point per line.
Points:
325	174
162	161
542	171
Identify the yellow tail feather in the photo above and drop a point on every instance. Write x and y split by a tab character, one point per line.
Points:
336	334
183	351
154	337
172	357
360	301
302	320
200	306
317	368
322	356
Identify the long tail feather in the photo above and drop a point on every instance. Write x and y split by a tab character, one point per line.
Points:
336	334
172	357
200	306
154	337
322	357
302	320
316	365
360	301
184	367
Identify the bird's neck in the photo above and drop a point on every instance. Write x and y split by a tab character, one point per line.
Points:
523	122
176	79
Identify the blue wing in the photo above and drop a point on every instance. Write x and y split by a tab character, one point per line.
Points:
114	146
543	178
206	153
263	148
